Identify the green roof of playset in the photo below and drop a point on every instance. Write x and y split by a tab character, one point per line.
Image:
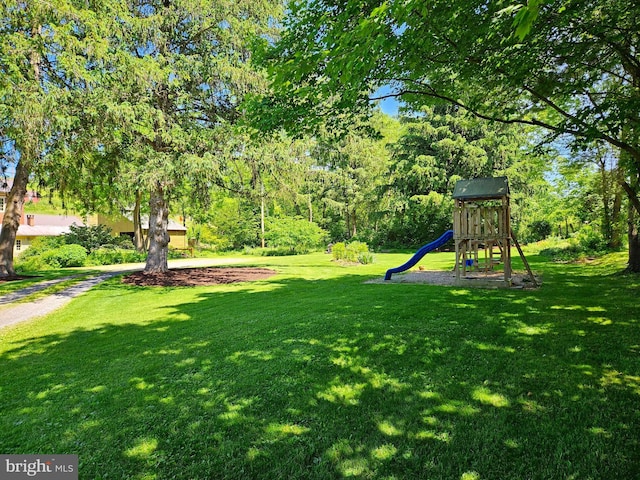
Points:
481	188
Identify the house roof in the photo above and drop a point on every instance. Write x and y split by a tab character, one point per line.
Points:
48	225
5	187
56	220
52	225
481	188
41	231
173	225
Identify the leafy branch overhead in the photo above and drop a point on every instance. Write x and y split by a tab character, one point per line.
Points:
570	67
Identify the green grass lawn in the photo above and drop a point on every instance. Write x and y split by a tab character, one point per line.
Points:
313	374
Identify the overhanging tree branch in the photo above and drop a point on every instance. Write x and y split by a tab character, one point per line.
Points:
431	92
633	197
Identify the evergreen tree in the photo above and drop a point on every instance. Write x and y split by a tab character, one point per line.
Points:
51	54
184	68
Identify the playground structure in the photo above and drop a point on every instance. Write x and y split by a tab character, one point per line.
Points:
481	230
482	226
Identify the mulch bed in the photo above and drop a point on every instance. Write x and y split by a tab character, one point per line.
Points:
191	277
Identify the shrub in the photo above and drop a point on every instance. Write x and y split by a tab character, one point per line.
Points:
115	256
209	239
591	240
123	241
52	252
339	251
30	264
539	230
173	253
90	237
365	258
269	252
65	256
296	234
49	252
356	252
39	245
587	242
561	254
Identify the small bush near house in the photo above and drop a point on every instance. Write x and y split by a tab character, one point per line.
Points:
39	245
356	252
65	256
90	237
32	258
30	264
114	256
60	252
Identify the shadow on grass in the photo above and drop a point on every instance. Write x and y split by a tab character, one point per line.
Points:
334	378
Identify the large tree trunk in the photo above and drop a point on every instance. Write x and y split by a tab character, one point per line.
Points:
634	212
158	233
11	220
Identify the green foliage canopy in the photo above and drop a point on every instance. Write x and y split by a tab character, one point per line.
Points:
185	66
576	72
52	55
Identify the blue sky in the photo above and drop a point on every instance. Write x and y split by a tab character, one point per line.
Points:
388	105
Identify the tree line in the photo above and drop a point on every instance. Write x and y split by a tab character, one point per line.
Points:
223	111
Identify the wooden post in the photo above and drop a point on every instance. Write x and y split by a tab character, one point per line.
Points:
524	260
507	230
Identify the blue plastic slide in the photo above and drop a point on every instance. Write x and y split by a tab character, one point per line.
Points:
446	236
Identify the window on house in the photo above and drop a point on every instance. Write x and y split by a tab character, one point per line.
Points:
18	244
